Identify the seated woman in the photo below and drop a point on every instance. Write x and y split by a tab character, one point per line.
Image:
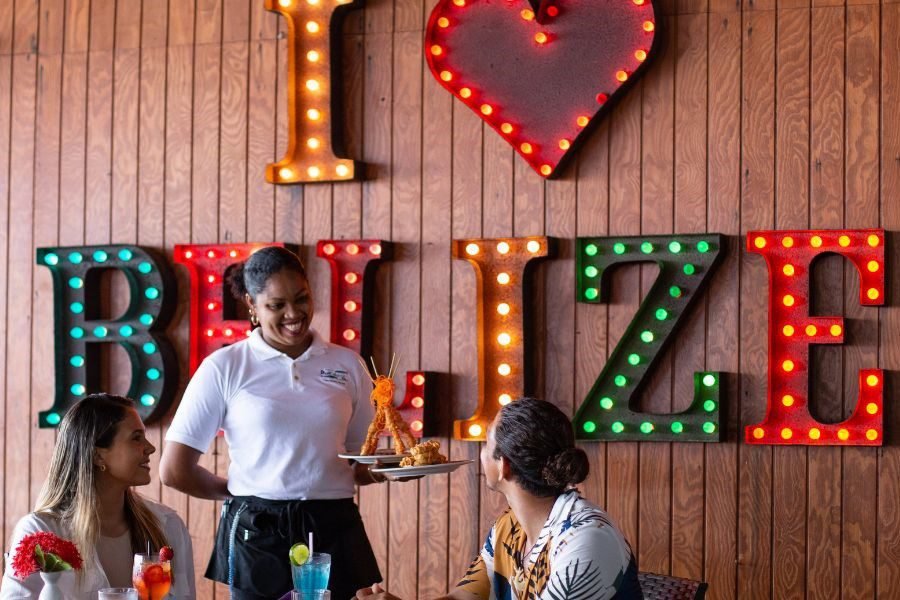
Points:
551	543
101	453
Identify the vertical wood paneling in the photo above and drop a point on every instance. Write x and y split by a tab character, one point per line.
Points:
690	216
723	334
153	125
888	550
757	205
46	231
6	85
825	211
405	295
624	206
861	208
19	426
791	212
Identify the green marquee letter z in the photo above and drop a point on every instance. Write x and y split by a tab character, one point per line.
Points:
685	264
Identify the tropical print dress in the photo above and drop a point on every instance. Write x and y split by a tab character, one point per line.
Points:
579	555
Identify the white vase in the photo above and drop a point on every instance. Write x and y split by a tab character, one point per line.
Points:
51	590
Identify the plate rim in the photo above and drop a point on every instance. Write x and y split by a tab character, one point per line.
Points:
399	470
372	458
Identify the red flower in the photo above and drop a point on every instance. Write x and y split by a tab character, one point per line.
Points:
26	561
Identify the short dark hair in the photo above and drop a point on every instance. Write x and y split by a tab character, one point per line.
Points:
538	442
250	277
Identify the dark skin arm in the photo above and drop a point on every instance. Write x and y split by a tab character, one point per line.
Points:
179	469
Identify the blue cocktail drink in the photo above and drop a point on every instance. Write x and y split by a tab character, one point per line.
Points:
313	574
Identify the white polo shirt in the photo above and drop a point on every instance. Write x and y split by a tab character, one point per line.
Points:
285	420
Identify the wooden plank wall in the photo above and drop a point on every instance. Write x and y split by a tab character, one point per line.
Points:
147	122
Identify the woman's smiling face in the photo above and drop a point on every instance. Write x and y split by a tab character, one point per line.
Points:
285	310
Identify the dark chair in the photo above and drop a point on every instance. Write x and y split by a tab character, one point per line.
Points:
666	587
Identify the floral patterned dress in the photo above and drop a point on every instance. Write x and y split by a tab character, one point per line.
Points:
579	555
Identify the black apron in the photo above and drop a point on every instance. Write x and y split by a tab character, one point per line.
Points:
255	535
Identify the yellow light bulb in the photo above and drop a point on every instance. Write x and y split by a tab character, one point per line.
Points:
436	50
446	75
582	121
503	278
871	435
472	249
787	241
787	400
504	339
786	433
502	247
788	330
503	308
465	93
526	148
546	170
284	3
872	294
312	27
285	173
506	128
527	14
312	85
872	380
533	246
759	241
873	266
788	270
873	240
811	330
313	114
814	434
788	300
313	143
758	433
872	408
836	330
843	435
486	109
443	22
342	170
504	369
314	171
844	241
312	56
564	144
475	430
815	241
504	399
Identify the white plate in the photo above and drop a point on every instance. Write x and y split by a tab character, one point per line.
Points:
388	458
401	472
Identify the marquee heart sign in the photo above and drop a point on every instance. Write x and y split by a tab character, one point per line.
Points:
540	74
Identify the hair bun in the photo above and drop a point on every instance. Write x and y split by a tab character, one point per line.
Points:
567	468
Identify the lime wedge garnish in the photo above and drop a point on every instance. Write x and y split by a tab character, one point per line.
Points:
298	554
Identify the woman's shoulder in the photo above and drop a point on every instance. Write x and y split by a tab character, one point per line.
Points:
38	521
166	515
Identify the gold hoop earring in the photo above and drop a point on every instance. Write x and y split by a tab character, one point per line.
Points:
103	467
254	320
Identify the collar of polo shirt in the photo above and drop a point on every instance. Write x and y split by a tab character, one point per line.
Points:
264	351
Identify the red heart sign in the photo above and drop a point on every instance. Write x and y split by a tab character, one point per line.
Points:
539	79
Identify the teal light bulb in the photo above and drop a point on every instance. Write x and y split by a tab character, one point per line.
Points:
589	426
51	259
646	247
76	283
146	319
75	258
646	336
677	427
145	267
689	269
674	247
125	254
709	380
151	293
126	330
709	406
100	256
634	359
703	247
77	308
662	314
148	400
606	403
617	427
646	427
77	333
53	418
621	380
77	360
100	331
709	427
619	248
591	249
591	271
77	389
153	374
591	293
675	291
149	348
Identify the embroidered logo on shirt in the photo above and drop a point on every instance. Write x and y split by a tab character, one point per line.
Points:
333	375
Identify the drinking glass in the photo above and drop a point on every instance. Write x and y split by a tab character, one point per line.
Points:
151	577
312	575
313	595
118	594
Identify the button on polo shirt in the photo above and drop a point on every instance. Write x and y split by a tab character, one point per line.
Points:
285	420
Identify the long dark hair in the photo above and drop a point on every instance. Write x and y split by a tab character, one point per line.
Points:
70	491
250	277
537	440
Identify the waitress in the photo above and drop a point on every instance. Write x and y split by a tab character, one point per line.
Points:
289	403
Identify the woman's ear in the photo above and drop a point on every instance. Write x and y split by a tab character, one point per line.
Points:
504	471
248	300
